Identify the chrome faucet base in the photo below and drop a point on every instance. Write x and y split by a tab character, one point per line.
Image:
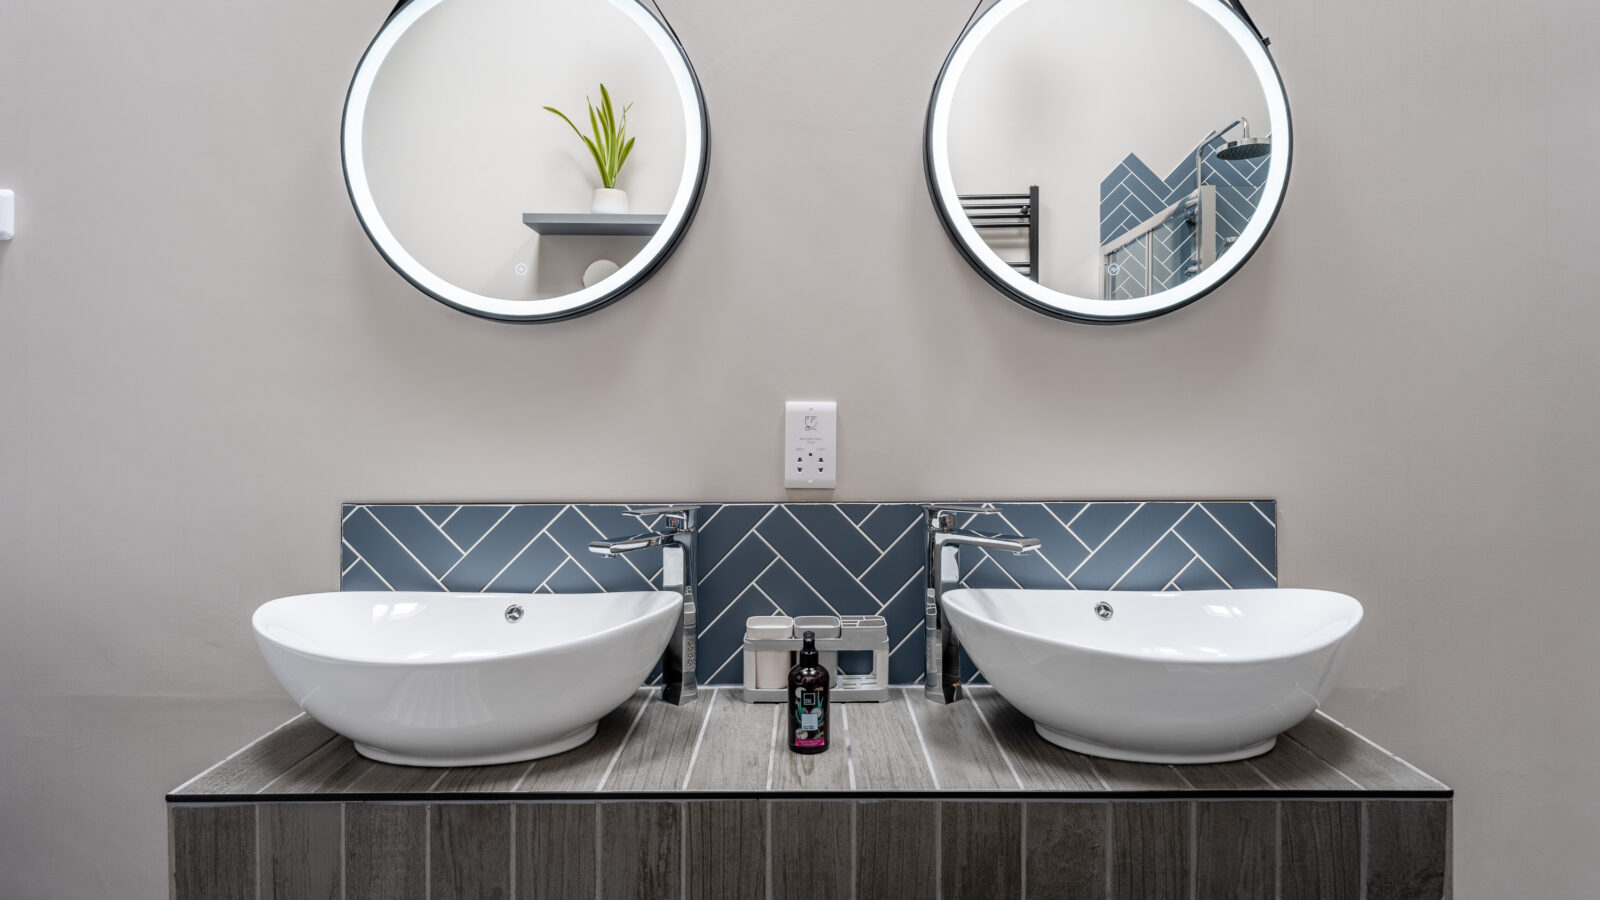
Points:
678	574
942	683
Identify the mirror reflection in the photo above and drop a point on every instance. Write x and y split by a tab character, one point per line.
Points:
1111	156
524	160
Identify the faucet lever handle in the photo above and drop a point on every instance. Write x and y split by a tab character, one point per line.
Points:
677	516
947	508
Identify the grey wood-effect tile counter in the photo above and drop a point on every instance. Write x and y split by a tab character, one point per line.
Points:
914	800
904	747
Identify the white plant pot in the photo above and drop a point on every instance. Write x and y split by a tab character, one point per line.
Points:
609	201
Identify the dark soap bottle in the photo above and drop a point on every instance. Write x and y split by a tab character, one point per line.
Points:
808	701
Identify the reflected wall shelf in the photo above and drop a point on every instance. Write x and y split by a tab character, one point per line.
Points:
590	224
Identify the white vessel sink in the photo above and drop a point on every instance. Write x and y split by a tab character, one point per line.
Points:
1191	677
435	679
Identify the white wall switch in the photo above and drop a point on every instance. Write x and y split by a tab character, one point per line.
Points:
810	442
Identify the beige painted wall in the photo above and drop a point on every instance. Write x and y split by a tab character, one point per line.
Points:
1152	77
201	356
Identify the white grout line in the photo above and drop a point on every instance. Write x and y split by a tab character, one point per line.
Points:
1174	582
1040	553
853	524
438	781
1234	539
439	526
1153	546
643	708
449	517
772	745
927	757
849	745
921	571
225	759
885	551
1107	539
735	548
427	851
842	567
512	561
996	739
413	556
734	602
705	721
344	877
1203	562
797	575
475	543
559	567
1264	515
1003	571
353	510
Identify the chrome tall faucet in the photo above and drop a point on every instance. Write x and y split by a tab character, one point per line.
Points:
943	683
678	574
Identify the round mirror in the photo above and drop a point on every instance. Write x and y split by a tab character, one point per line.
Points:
528	160
1108	161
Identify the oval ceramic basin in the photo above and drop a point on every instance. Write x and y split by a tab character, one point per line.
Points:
435	679
1191	677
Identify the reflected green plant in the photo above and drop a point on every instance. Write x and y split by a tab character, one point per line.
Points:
610	145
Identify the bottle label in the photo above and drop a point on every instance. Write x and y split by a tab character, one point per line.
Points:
808	714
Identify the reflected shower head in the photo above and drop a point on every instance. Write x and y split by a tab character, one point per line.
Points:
1245	148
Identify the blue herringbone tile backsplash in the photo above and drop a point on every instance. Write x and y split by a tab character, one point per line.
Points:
807	558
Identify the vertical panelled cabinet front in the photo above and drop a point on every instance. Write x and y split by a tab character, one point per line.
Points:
867	849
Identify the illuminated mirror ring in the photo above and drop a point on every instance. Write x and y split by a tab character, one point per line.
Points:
1098	268
688	116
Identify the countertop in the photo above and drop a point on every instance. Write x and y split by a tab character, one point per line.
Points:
721	746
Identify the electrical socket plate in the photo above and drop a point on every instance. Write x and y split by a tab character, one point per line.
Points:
810	444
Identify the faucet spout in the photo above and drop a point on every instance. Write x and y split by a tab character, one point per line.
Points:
629	544
1014	543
